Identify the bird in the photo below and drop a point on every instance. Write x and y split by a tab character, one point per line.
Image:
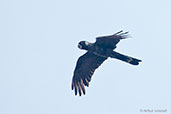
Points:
96	54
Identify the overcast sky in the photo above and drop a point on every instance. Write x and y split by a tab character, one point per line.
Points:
38	54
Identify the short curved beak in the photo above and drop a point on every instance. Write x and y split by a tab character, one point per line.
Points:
79	46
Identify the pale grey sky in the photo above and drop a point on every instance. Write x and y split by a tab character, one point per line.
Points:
38	53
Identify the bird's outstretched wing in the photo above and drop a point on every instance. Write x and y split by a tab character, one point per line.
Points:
112	40
85	67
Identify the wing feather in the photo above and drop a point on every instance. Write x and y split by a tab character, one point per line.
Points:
85	67
111	40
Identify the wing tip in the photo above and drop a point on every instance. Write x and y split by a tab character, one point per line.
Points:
78	87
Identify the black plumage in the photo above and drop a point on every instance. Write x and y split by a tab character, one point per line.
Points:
96	54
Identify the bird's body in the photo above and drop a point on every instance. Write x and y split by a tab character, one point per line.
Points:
96	54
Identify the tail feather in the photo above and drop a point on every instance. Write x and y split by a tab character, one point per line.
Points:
125	58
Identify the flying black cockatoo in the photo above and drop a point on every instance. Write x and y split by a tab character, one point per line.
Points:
96	54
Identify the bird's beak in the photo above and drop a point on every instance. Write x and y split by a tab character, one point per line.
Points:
79	46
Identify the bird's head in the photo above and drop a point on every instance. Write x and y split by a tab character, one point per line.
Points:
84	45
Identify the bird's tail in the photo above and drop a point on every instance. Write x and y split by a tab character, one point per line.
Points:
125	58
